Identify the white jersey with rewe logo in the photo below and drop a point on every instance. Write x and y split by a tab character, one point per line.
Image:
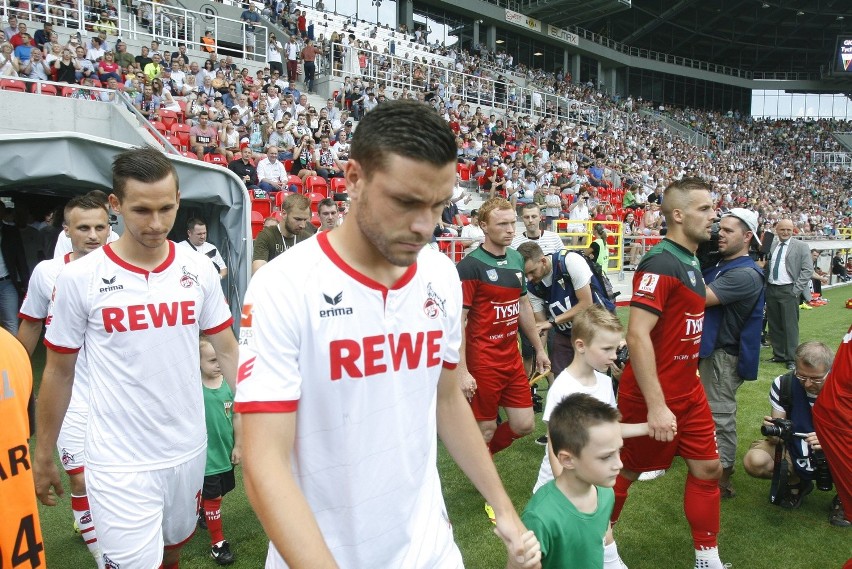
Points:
360	363
140	329
38	305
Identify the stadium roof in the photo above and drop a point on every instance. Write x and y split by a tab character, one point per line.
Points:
753	35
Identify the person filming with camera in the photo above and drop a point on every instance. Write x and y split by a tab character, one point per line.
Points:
799	463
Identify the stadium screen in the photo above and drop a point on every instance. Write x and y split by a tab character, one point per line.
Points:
843	56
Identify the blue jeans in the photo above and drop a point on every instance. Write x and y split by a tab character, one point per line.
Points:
9	306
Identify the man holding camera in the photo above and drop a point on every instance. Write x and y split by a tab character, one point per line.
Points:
800	460
730	342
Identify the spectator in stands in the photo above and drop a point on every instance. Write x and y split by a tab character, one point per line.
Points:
105	24
244	167
108	67
42	36
122	57
303	158
36	68
309	55
326	161
83	68
273	54
17	38
328	214
208	44
293	228
96	52
155	68
9	64
271	174
283	140
24	49
250	19
167	101
66	67
148	103
204	138
12	27
143	59
292	51
633	242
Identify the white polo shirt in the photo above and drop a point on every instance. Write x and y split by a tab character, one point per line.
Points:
140	329
360	362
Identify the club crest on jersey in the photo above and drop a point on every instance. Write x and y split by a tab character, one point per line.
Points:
110	564
492	275
691	275
434	304
110	284
66	457
337	310
188	279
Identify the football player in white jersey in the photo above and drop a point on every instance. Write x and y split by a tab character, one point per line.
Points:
87	227
138	305
344	384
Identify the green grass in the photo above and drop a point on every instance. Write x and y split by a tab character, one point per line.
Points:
652	531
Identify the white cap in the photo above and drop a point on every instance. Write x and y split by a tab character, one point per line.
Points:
748	217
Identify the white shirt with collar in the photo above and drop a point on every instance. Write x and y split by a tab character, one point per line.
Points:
783	274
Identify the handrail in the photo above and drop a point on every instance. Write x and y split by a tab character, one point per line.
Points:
399	73
149	19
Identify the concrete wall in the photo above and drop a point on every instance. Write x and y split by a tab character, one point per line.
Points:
24	112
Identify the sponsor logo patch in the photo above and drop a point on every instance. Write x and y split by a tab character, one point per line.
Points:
648	282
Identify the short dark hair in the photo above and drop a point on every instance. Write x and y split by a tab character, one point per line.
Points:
193	221
530	251
572	418
295	201
86	202
327	202
145	164
405	128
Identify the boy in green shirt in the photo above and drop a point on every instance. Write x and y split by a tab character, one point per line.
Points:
570	515
223	450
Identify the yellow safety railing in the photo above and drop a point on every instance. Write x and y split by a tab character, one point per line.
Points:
578	235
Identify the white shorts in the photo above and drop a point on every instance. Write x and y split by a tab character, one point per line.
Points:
72	437
137	514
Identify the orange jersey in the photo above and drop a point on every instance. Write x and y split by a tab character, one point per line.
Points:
20	533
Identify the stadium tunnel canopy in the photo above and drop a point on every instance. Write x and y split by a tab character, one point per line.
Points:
65	164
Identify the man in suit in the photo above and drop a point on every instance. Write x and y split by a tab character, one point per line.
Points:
13	272
788	272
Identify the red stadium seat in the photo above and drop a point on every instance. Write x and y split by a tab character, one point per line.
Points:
289	164
97	83
464	172
316	184
338	185
315	220
182	114
189	154
174	141
315	198
256	223
279	198
168	118
182	132
261	205
47	89
13	85
294	180
160	127
216	159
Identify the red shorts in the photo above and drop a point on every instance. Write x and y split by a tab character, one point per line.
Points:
695	439
500	388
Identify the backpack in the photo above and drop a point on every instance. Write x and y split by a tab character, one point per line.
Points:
601	287
785	393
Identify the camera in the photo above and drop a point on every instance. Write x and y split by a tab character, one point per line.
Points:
781	428
822	475
622	354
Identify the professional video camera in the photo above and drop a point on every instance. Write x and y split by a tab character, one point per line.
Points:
708	252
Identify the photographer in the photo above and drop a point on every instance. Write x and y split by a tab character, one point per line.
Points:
792	397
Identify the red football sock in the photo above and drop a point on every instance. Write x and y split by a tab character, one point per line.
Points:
171	565
622	484
701	506
503	437
213	513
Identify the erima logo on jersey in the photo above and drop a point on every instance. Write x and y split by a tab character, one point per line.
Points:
110	285
337	311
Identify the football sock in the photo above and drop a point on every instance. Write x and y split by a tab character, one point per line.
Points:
701	506
622	484
174	565
213	513
708	558
503	437
611	558
80	508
